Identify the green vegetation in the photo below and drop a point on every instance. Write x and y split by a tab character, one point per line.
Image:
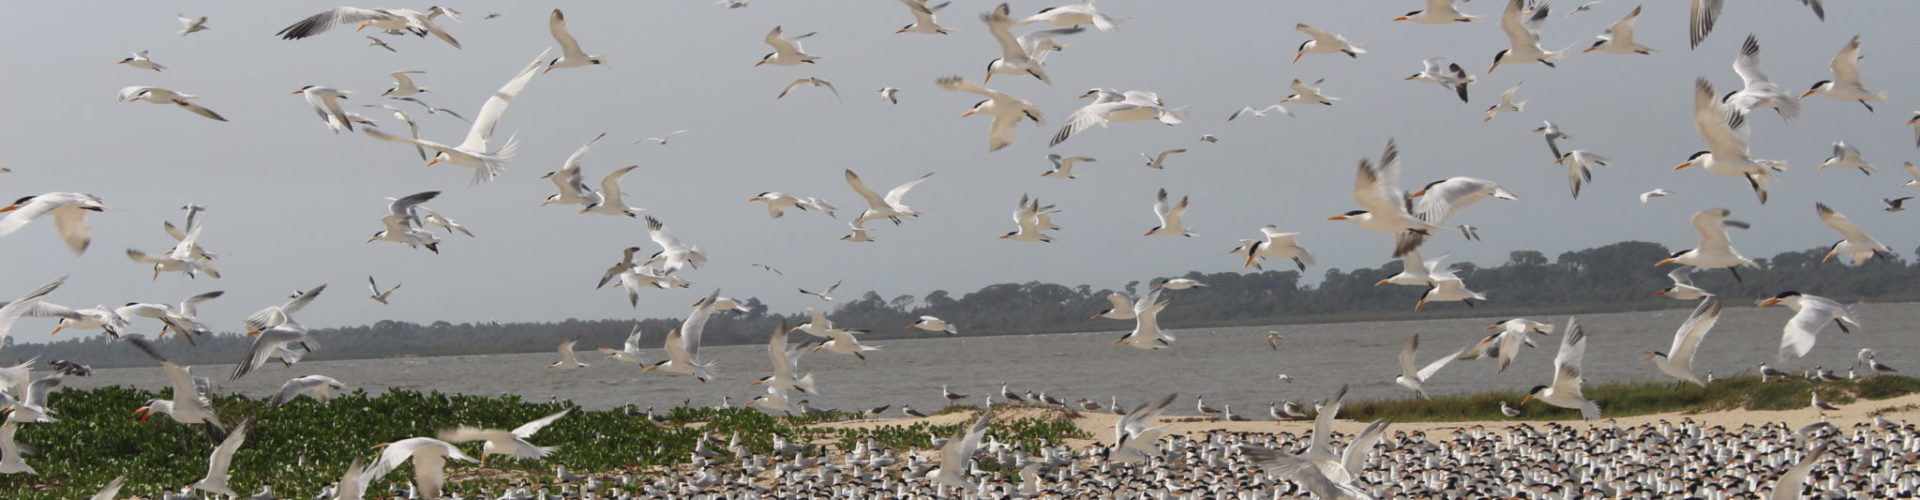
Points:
304	445
1627	399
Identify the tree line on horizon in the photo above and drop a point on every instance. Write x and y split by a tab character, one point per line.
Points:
1611	278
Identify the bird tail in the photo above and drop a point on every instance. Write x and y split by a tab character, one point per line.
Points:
703	370
805	384
1175	116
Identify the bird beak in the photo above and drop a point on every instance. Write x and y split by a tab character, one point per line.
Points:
9	208
548	70
750	403
1649	355
817	348
1808	93
1401	18
650	368
1296	56
370	240
756	382
301	91
753	199
384	93
1683	164
1663	262
1380	283
585	210
362	26
1769	302
1096	316
902	30
1418	305
144	413
1496	64
1524	400
1495	326
1562	159
762	61
1829	256
1590	49
1123	340
1915	119
1417	194
966	114
1338	217
989	78
432	161
1660	292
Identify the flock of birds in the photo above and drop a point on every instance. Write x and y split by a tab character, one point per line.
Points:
1143	461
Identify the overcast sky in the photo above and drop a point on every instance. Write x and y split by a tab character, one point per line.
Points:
292	204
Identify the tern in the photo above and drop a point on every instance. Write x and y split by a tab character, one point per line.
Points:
567	360
1030	219
1791	482
326	103
376	42
662	140
809	81
683	344
1523	37
1021	55
891	207
159	95
1506	104
1377	189
1438	12
1414	271
434	110
1705	13
185	257
1656	193
674	254
1578	164
1846	84
786	51
1007	111
1277	244
956	456
1447	287
1855	245
826	295
1554	135
1159	161
891	94
277	341
933	324
1758	90
1810	315
1308	94
1565	392
1504	345
429	463
923	21
184	320
140	60
569	180
1111	106
1725	131
1178	284
778	203
609	201
219	462
1440	199
1716	248
67	210
319	387
843	341
1618	39
1324	42
413	129
1683	288
570	54
511	444
857	234
1894	204
1146	332
403	223
390	20
1063	165
190	25
1866	357
1170	217
1678	360
1411	377
786	363
476	150
1450	77
403	85
1078	14
1509	411
28	304
1847	156
1260	112
1135	435
192	401
273	316
629	350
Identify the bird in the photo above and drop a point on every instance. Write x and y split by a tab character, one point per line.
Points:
476	151
674	254
185	257
191	25
1716	248
1554	135
1855	244
1440	199
1504	345
413	129
1656	193
1031	219
1866	357
891	207
1260	112
1523	37
1007	111
1159	161
67	210
1565	391
277	341
1792	481
1447	287
403	85
1308	94
786	364
395	21
609	201
1273	340
857	235
843	341
1020	55
629	350
891	94
662	140
140	60
778	203
1677	361
220	461
1578	164
1439	12
1894	204
569	180
1810	315
157	95
1758	90
809	81
1170	217
1846	84
1683	288
1584	8
958	453
952	398
1618	39
923	21
1377	189
1509	411
1075	14
1324	42
403	222
1412	377
429	458
507	443
1063	165
571	56
1725	131
1506	103
683	343
1450	77
277	315
319	387
826	295
1913	171
875	412
326	103
1277	244
567	361
1112	106
1135	435
1847	156
1178	284
1146	332
192	401
786	51
376	42
1821	405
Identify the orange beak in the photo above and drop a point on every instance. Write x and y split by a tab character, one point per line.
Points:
1296	57
1119	342
1495	326
1808	93
1590	49
750	403
966	114
1526	399
1496	65
1769	302
9	208
362	26
1417	194
902	30
144	413
432	161
1096	316
988	78
1663	262
756	382
1418	305
818	348
762	61
1660	292
1401	18
1683	164
1338	217
1829	256
301	91
1649	355
548	70
1381	283
585	210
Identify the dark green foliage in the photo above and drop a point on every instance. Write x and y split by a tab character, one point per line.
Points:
1640	398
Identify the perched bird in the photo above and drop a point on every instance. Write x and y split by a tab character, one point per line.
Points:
923	21
1846	84
1007	111
1821	405
1159	161
1810	315
1171	217
891	94
1618	39
1063	165
157	95
1324	42
891	207
786	51
1866	357
1506	103
1523	37
191	25
509	443
809	81
1683	288
1847	156
1308	94
1509	411
476	151
318	387
567	361
1439	12
1855	244
140	60
1565	392
1677	361
570	54
219	463
1716	248
68	212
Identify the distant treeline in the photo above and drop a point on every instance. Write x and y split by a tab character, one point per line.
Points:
1617	277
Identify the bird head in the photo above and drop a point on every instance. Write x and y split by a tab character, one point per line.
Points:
1697	159
1408	16
1497	57
1533	393
1349	215
1782	297
1816	88
1652	354
1594	47
764	59
303	90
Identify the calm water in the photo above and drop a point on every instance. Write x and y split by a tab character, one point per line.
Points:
1228	365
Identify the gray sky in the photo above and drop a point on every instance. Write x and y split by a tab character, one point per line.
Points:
291	204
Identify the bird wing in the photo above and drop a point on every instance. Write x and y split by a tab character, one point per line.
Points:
1320	37
1160	208
781	44
1088	116
24	304
1701	18
1748	66
1710	225
1803	329
1518	32
1623	29
1686	341
1293	468
1682	275
1378	188
557	24
293	388
527	430
1452	195
633	339
1001	27
1426	372
899	192
1406	357
1718	125
471	434
696	324
1001	133
566	352
1323	423
873	199
777	351
1573	349
1839	223
112	490
403	206
1354	459
327	19
610	187
657	231
1795	478
496	106
223	456
965	442
1846	64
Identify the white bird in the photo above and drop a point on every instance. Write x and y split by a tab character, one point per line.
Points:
1279	245
683	344
891	207
826	295
609	201
570	54
1579	169
923	21
806	81
857	234
1260	112
1159	161
1324	42
1377	189
273	316
1447	287
1810	315
662	140
1063	165
190	25
326	103
1450	77
1146	332
476	151
140	60
1683	288
413	129
192	401
1554	135
393	21
569	180
1794	480
1302	472
31	407
1758	90
376	42
933	324
68	210
1716	248
512	444
778	203
1509	411
24	305
1308	94
1178	284
429	463
403	223
379	295
1565	391
629	351
1027	217
157	95
1846	84
219	462
1618	39
1677	361
1135	436
1506	104
1440	199
674	254
1112	106
1170	217
181	258
842	341
1504	345
1438	12
1411	376
1656	193
786	363
403	85
786	51
1725	131
567	361
1913	171
1414	271
184	320
1078	14
1855	245
1021	55
1007	111
958	453
318	387
891	94
1847	156
1523	37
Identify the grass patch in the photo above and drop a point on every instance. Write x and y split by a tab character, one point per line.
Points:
1625	399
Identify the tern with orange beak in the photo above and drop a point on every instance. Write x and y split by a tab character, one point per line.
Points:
1856	245
570	54
1505	344
1810	315
786	364
157	95
1324	42
1846	84
1523	37
786	51
1683	288
683	344
1724	128
1618	39
1438	12
192	401
1414	271
923	21
394	21
1020	55
476	151
1565	390
1677	361
68	212
1716	248
1377	190
1007	111
1171	217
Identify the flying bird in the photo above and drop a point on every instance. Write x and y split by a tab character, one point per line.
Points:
923	21
570	54
1159	161
891	94
140	60
567	360
891	207
1412	377
1523	37
219	463
1855	245
1846	84
1277	244
157	95
1810	315
1063	165
429	458
1112	106
68	212
1757	89
1170	217
508	443
1894	204
812	81
1506	104
326	103
1007	111
190	25
1683	287
1377	189
1075	14
629	350
403	85
1725	131
1703	14
393	21
1847	156
824	295
1565	390
1656	193
1450	77
1618	39
476	151
376	42
1677	361
1439	12
1324	42
1308	94
1579	169
1260	112
786	51
318	387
